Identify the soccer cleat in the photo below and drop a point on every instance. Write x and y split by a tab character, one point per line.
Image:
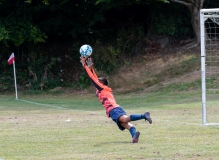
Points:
135	137
147	117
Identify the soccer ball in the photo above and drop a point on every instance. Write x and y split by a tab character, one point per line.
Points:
85	50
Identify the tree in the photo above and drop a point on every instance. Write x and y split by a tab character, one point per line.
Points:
194	7
100	1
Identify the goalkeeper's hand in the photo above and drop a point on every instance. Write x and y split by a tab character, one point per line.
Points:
83	60
89	63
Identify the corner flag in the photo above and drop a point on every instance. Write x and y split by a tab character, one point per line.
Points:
11	59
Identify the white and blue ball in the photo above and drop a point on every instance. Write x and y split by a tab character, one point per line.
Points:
85	50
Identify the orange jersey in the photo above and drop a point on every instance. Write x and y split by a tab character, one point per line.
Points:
104	93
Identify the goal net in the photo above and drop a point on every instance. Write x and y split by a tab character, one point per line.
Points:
209	24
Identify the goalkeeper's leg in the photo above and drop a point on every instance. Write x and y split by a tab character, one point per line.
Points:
135	134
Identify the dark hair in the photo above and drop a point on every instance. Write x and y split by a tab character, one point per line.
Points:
103	80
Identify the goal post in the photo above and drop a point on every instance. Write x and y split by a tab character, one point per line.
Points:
209	28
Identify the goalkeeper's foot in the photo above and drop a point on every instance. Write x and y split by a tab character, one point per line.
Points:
135	137
147	117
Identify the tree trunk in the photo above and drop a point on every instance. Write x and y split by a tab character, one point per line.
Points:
194	7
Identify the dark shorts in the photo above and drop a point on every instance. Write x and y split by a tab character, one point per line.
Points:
115	114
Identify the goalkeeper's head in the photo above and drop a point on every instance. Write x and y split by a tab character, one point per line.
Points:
103	80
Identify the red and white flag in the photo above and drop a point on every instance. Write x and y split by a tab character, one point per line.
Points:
11	59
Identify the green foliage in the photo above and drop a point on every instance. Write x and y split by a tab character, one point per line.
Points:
115	29
4	34
7	76
106	58
36	35
134	1
173	25
84	81
19	32
40	72
102	1
130	41
5	82
165	25
211	4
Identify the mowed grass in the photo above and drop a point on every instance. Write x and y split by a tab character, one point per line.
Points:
75	126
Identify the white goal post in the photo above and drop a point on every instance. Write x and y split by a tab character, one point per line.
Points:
209	25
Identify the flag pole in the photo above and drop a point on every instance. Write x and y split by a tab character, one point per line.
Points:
15	83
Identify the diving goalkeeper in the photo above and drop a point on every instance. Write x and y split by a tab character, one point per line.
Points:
113	110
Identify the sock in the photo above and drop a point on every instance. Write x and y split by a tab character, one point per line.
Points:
132	131
135	117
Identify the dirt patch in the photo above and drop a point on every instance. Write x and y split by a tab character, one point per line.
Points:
163	69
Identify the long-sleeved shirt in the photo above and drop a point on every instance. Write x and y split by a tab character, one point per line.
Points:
103	92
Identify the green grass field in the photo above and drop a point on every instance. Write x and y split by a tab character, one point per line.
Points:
75	126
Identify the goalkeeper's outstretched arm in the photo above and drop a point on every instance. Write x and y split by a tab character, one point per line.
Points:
92	75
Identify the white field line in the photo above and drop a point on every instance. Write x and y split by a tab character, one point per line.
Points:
190	123
187	123
62	108
57	107
212	124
